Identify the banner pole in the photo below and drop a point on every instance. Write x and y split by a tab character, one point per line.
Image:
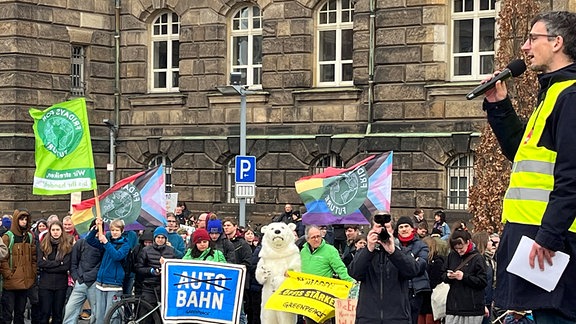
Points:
98	213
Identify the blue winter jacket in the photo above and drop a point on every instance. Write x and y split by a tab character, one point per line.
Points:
114	252
419	251
178	244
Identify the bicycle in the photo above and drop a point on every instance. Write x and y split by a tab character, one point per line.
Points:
133	310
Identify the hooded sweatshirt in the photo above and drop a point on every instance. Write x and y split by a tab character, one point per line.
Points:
19	268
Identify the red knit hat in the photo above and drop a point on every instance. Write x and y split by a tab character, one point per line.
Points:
200	235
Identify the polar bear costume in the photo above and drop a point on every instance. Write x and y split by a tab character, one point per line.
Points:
279	253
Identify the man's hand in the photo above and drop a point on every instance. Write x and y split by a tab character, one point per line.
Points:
542	254
499	92
372	240
389	244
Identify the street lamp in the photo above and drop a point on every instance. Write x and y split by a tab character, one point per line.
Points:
111	167
235	89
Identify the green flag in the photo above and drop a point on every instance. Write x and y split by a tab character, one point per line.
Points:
64	160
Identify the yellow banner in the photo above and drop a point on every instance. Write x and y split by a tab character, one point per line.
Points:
309	295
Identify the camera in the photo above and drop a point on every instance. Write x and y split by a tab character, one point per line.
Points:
383	218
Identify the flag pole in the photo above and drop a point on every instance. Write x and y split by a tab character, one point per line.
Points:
98	213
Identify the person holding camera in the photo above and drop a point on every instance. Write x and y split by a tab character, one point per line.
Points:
384	271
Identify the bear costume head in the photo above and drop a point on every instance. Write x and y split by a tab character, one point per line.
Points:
278	240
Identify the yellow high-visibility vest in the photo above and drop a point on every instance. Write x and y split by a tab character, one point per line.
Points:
532	177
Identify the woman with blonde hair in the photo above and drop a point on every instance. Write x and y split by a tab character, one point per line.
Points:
54	260
435	266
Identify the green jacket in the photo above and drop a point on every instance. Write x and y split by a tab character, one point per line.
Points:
218	256
324	261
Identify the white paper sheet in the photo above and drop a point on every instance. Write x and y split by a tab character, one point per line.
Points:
547	279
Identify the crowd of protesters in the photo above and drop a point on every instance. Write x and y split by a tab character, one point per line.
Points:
63	277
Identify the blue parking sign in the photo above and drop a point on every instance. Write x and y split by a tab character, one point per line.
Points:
245	169
202	291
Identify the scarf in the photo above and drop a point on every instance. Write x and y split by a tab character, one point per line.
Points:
406	240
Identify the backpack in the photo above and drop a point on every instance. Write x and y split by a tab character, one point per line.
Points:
11	244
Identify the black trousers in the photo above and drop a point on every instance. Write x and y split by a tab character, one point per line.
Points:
13	306
52	301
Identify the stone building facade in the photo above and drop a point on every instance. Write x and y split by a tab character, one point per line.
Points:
161	94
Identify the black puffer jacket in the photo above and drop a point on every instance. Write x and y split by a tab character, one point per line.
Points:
384	285
466	296
85	262
149	258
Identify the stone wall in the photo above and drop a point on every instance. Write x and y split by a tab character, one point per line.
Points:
415	111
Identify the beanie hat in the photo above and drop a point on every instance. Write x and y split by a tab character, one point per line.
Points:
404	220
214	226
200	235
6	222
160	231
436	232
147	235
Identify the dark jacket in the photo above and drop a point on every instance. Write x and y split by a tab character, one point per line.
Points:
384	283
224	245
85	262
348	253
286	217
149	258
559	133
53	273
434	269
114	252
243	254
489	290
466	296
254	285
419	251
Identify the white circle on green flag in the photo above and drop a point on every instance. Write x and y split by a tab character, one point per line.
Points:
347	193
124	203
61	131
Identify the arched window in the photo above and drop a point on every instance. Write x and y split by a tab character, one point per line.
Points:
334	43
165	53
162	159
460	172
230	184
246	45
329	160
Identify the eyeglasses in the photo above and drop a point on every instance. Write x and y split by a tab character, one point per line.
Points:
532	37
494	242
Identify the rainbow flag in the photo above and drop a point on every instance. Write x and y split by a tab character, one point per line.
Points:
347	196
139	200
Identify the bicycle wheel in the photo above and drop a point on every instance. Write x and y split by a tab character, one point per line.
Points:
132	311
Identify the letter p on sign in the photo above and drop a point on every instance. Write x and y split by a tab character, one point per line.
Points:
245	170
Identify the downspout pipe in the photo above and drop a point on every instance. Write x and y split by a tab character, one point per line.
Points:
371	67
117	92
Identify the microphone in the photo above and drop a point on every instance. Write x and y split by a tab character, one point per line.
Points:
514	69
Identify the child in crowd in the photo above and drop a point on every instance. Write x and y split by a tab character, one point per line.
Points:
111	273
